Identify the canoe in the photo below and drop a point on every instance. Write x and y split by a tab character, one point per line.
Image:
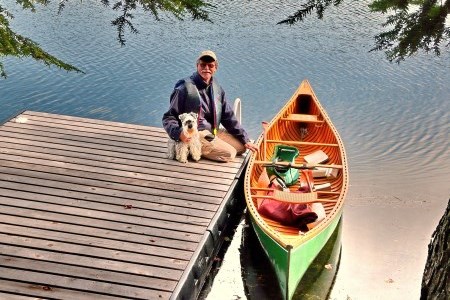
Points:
311	150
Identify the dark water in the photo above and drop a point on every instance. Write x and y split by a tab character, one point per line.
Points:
258	279
394	119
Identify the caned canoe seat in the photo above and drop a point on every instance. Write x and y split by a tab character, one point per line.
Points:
305	118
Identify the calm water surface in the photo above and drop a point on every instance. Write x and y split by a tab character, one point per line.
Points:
394	119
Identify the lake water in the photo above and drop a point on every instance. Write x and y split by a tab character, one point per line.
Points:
394	119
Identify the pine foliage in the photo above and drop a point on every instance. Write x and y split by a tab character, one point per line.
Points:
16	45
306	9
412	28
411	25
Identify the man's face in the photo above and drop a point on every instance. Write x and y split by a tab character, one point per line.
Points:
206	69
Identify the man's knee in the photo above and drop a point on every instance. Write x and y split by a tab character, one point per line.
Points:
219	151
220	156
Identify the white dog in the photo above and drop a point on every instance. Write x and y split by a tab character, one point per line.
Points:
180	150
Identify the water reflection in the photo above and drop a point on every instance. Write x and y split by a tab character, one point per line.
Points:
242	270
259	278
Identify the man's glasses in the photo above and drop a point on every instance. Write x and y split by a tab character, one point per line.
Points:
209	65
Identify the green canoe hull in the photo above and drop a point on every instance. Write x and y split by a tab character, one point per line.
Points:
290	264
304	124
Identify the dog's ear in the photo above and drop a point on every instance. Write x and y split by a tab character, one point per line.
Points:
194	115
182	116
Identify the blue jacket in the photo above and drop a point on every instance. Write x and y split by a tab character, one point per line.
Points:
183	102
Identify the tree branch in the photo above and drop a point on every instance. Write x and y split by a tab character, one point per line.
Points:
13	44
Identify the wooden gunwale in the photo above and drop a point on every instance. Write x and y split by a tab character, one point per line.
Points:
331	140
301	143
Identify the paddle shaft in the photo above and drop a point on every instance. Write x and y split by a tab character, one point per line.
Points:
296	166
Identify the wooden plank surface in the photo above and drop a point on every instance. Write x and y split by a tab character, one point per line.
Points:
93	209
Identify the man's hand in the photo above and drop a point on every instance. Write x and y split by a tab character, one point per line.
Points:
184	138
251	146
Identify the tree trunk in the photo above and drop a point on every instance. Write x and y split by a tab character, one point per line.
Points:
436	276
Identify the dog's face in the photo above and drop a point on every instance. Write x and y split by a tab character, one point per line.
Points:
189	122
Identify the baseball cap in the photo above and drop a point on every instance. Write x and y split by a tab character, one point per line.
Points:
207	53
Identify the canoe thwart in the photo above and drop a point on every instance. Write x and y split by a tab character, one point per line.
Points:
303	118
271	189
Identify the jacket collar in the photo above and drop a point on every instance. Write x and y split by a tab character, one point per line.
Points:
198	80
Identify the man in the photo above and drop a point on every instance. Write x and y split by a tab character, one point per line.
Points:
202	94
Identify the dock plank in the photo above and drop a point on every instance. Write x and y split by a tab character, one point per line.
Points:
107	156
76	238
74	247
96	194
88	273
182	234
164	243
134	156
135	174
106	181
156	146
83	285
88	262
188	226
24	290
124	209
94	123
93	209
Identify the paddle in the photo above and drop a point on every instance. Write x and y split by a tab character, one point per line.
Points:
305	166
271	190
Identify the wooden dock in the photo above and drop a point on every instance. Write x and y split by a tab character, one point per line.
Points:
93	209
